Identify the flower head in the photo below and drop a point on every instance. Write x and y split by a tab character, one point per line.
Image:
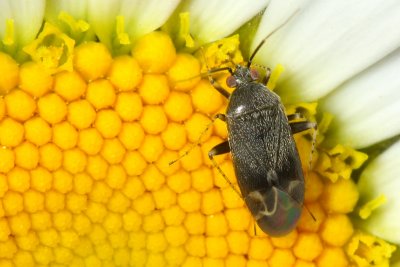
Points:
99	97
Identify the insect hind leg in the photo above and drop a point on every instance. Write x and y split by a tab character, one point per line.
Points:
301	126
219	149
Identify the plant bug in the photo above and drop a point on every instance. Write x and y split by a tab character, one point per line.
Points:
264	154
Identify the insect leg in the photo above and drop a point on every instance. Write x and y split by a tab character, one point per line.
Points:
217	116
267	76
219	149
294	116
219	88
301	126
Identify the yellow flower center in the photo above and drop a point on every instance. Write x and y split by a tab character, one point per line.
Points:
85	177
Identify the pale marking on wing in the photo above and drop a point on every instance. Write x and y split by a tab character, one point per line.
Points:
256	195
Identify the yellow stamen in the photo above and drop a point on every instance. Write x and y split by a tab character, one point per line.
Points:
184	30
122	36
370	206
76	26
9	36
275	74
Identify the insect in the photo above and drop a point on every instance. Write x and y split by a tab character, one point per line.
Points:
264	153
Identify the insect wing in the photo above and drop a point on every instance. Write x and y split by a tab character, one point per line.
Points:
275	211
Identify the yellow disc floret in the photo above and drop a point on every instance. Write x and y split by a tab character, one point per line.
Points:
7	161
26	155
332	257
198	125
113	151
19	105
74	160
9	73
108	123
97	167
69	85
154	89
345	191
90	141
216	225
131	135
92	60
134	163
308	246
83	183
154	52
41	179
205	98
81	114
260	249
101	94
125	73
13	203
178	106
151	148
37	131
35	79
281	257
174	136
65	135
336	230
18	179
50	156
128	106
52	108
153	119
184	74
11	132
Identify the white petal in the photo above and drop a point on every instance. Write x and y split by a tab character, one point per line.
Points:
27	16
214	19
327	42
5	13
366	108
75	8
102	17
146	16
382	177
140	17
277	12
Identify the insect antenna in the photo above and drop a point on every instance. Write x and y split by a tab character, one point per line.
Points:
309	212
206	74
269	35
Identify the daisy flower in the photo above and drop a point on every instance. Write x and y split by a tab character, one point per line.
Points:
99	97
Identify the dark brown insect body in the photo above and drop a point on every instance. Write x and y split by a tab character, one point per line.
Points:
266	161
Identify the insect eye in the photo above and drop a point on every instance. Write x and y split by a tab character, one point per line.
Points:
231	81
254	74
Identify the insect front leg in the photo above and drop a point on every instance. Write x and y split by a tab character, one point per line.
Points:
294	116
267	76
219	88
220	149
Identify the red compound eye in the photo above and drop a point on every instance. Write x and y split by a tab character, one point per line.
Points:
231	81
254	74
